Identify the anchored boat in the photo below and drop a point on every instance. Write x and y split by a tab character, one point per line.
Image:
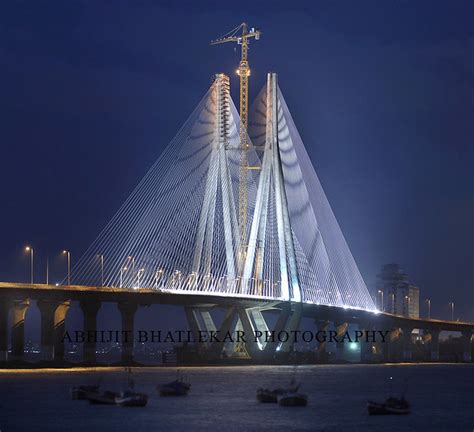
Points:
178	387
391	405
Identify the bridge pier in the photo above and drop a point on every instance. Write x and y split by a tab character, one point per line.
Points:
466	346
365	347
18	328
407	344
47	309
322	326
53	316
127	310
59	329
434	345
390	346
4	310
89	309
340	330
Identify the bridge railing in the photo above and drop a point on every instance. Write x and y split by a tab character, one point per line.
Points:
211	285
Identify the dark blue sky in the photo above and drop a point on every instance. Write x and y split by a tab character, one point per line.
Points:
382	94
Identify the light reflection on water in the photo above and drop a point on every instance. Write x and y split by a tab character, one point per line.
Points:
223	399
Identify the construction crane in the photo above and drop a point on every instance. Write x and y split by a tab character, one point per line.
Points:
242	34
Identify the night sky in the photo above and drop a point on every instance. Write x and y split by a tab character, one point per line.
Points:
382	94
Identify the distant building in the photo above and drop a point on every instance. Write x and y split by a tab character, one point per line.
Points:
395	294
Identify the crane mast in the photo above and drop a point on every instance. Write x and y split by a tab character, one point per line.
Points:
243	71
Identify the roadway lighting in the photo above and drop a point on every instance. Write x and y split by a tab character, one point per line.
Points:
31	251
381	294
392	295
101	260
140	272
68	255
158	276
428	301
451	304
408	305
121	275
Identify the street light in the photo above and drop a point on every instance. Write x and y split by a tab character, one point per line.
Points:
381	294
101	260
121	275
30	250
428	302
158	276
68	255
451	304
408	305
392	295
139	273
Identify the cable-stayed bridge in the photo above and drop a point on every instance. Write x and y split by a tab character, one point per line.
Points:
178	231
177	239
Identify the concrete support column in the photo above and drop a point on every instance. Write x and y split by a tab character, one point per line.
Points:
4	309
466	346
322	326
389	347
340	330
434	345
365	347
18	328
406	344
127	310
47	309
59	329
89	309
53	315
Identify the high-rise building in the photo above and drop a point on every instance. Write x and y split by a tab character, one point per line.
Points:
395	294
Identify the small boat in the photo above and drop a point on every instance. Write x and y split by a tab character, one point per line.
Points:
269	396
126	398
265	395
178	387
392	405
82	392
129	398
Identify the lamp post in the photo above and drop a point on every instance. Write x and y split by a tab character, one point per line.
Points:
139	274
30	250
121	275
451	304
68	255
101	260
408	305
381	295
428	302
47	270
392	295
158	276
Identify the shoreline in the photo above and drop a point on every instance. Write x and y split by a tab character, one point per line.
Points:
118	368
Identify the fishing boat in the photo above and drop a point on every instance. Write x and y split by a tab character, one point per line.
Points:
265	395
125	398
130	398
178	387
392	405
